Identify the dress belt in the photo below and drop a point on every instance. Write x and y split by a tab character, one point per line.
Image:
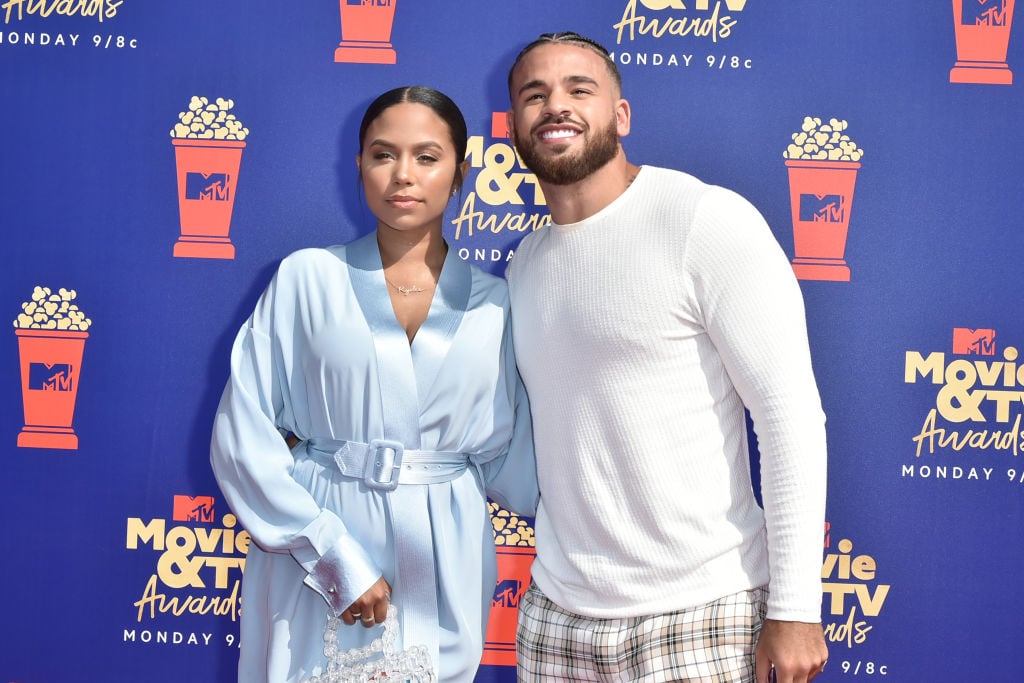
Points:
384	464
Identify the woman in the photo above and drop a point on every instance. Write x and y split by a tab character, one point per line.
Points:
390	358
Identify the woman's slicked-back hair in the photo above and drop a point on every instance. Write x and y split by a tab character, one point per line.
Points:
439	103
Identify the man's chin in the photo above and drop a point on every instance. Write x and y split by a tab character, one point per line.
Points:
559	174
557	148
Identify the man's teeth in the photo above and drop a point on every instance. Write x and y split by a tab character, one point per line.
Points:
553	134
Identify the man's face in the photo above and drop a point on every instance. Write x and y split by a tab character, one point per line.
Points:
567	116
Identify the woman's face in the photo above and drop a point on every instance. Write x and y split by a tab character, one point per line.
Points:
408	168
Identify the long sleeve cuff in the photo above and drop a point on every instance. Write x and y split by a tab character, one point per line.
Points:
342	575
338	567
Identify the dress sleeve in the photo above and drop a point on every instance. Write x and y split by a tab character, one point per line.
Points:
511	478
253	465
754	314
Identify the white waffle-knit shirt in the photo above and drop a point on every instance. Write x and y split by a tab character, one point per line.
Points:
641	333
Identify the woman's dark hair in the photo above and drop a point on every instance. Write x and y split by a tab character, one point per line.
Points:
439	103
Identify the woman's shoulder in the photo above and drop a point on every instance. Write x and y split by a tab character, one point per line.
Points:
313	254
310	267
487	287
308	257
484	279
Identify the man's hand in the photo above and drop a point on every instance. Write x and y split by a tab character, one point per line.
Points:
796	650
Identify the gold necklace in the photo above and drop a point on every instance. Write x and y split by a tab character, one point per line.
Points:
405	291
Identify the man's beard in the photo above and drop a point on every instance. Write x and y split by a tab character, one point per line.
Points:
567	169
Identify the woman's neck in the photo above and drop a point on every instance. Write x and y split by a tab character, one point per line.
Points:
409	250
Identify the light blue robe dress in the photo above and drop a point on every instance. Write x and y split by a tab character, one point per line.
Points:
324	357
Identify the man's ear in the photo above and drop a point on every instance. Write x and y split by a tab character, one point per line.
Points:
510	125
622	117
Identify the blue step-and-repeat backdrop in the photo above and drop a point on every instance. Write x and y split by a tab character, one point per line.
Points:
161	158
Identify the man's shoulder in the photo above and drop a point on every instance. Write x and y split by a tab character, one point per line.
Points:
528	244
671	189
673	183
661	175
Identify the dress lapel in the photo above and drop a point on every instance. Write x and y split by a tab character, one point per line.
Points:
398	392
434	339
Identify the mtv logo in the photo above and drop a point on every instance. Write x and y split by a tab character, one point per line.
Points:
49	377
968	342
207	187
984	13
506	593
825	208
193	509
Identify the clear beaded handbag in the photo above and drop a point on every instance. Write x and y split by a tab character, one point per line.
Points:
376	662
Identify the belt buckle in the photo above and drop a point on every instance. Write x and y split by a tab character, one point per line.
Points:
383	465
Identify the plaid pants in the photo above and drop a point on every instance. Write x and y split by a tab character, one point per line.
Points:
712	643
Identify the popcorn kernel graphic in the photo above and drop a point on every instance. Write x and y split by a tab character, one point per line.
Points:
49	311
206	121
509	529
817	141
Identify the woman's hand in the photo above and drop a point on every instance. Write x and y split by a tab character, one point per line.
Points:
371	607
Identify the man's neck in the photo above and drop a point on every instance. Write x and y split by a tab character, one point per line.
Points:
573	203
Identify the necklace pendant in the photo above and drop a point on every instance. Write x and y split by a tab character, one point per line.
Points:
406	291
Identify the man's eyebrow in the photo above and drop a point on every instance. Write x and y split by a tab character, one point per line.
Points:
529	85
581	79
538	83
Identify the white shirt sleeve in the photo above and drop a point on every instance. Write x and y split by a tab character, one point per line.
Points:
753	312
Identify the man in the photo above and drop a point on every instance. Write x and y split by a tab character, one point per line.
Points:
646	317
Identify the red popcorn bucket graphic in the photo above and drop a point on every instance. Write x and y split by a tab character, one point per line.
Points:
51	362
982	29
366	32
821	198
207	180
513	580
